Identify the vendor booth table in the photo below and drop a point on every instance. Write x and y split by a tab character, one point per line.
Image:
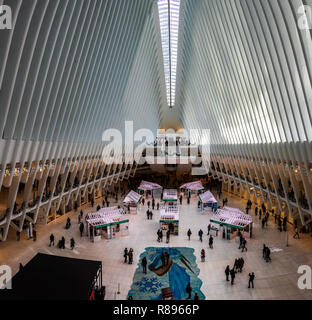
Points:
207	200
169	218
170	195
192	187
133	200
106	223
231	220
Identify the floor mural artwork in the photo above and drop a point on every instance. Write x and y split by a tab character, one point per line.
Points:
175	271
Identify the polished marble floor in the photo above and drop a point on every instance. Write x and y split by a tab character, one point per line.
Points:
275	280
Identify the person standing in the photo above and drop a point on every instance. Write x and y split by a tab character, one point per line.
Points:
143	201
144	263
296	235
189	233
161	235
51	240
81	228
153	204
200	234
251	279
256	211
209	228
157	206
232	273
196	297
168	236
126	255
151	215
148	204
211	242
63	243
181	199
34	235
147	214
203	255
244	248
130	254
188	290
227	273
72	243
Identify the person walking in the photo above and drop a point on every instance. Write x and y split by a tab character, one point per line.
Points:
227	273
209	228
51	240
232	273
203	255
296	235
200	234
148	204
148	214
144	264
81	228
153	204
189	233
181	199
151	215
143	201
126	255
251	279
72	243
211	242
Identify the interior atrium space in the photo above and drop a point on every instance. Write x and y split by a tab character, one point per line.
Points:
156	150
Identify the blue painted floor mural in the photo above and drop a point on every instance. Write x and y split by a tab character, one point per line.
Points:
175	271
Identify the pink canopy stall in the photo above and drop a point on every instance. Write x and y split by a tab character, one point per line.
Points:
207	199
193	186
231	219
131	201
149	186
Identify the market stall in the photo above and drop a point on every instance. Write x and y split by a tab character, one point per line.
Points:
207	200
169	218
194	187
231	220
170	195
149	187
106	223
132	201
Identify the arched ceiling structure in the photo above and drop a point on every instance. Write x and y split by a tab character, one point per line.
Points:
70	69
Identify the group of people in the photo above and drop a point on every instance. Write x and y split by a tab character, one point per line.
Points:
149	214
61	242
160	235
266	252
238	266
128	256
